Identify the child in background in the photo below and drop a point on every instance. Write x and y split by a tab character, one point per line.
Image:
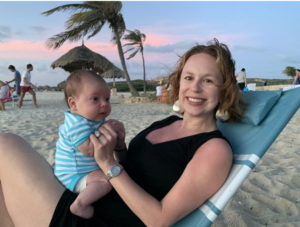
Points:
88	97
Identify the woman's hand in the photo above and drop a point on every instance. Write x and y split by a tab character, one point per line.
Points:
104	144
120	130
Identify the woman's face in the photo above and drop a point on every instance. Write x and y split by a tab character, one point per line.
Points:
199	93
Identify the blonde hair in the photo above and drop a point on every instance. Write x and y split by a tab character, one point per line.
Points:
75	81
231	99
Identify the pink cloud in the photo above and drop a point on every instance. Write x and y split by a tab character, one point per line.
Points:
21	49
37	50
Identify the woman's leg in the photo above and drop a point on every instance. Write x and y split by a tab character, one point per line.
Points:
5	219
31	190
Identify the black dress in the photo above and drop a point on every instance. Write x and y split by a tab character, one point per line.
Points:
155	167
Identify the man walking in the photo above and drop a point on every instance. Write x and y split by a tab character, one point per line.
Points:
17	79
242	79
26	86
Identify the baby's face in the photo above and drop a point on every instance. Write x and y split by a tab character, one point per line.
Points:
93	101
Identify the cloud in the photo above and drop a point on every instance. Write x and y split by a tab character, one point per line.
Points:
38	29
5	29
183	45
5	32
288	59
42	67
247	48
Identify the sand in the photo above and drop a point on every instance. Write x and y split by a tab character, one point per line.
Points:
270	196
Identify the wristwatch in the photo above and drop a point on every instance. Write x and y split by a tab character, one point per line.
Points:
114	171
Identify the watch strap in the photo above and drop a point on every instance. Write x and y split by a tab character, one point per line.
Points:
110	175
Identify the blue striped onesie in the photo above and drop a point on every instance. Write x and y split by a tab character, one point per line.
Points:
70	163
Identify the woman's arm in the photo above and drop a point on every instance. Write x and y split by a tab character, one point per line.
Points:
211	161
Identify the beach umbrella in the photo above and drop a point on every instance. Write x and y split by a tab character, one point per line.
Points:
114	72
82	57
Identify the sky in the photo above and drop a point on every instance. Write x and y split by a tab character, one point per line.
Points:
264	37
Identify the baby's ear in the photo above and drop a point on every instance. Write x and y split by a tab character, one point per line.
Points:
72	103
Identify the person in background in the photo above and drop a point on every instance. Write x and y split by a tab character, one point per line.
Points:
242	79
266	83
297	77
158	92
17	79
4	88
26	86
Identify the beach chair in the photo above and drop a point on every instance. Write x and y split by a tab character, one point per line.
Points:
249	143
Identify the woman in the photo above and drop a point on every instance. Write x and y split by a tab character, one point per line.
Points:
168	166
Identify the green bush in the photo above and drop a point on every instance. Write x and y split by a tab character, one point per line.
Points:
137	84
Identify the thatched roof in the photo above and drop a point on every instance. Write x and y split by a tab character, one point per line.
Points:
114	72
61	84
82	57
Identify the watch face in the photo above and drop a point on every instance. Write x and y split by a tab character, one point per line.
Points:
115	170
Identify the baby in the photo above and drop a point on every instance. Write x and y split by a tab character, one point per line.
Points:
87	96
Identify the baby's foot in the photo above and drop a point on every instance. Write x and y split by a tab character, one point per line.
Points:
82	211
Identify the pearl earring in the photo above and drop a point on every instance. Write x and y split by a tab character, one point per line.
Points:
176	107
222	116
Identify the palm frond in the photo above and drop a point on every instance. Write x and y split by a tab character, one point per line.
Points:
131	44
143	37
72	35
84	18
129	50
96	30
68	7
133	54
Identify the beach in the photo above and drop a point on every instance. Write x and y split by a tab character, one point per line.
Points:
270	196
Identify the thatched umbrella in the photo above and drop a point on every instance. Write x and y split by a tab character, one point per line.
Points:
114	72
82	57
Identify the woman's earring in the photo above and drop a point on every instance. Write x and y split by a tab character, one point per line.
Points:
222	116
176	107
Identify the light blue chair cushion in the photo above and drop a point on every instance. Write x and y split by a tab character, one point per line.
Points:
259	103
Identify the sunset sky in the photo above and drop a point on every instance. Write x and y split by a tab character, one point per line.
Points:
262	36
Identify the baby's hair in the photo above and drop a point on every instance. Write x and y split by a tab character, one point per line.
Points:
74	82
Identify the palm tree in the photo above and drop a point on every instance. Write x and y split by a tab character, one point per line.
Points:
289	71
88	19
136	40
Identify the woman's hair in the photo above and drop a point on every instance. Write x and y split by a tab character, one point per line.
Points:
75	80
231	99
